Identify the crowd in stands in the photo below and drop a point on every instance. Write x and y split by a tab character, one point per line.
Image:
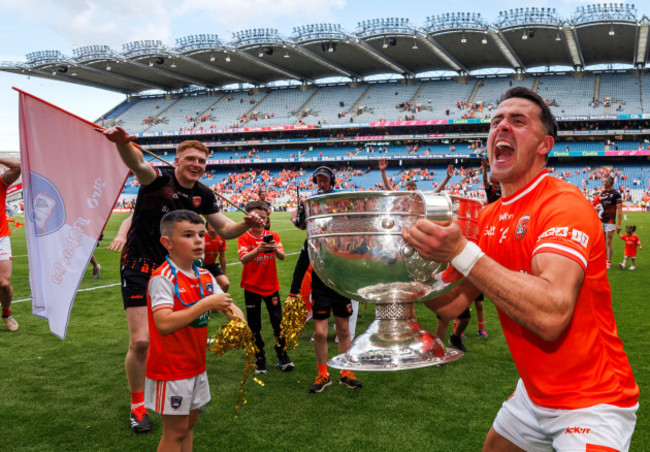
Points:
283	186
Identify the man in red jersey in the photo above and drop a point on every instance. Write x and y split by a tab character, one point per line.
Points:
6	289
541	260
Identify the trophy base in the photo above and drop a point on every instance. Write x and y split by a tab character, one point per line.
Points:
395	344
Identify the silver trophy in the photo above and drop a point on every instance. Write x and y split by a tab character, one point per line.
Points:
356	248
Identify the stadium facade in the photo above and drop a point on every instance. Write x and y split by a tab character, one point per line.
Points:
419	96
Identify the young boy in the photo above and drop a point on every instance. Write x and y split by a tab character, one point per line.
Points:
258	248
179	298
215	247
632	242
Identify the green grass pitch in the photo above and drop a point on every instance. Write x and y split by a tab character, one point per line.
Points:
72	395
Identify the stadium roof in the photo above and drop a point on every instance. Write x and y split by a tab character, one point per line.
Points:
519	39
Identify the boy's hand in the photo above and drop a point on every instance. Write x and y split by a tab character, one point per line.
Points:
219	302
268	247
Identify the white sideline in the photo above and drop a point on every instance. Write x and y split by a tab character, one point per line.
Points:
117	284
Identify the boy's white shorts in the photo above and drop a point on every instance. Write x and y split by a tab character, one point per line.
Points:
176	397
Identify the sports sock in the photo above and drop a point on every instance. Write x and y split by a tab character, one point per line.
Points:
481	325
137	399
455	325
346	373
6	312
322	370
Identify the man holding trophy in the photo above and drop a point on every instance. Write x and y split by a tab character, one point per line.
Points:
541	260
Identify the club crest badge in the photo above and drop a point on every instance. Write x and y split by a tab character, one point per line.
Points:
522	227
196	201
176	401
275	301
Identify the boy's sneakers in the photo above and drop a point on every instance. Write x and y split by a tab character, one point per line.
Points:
10	322
482	332
632	267
260	366
284	363
350	381
621	266
320	383
140	422
96	272
457	343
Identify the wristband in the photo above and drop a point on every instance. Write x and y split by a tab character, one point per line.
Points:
465	260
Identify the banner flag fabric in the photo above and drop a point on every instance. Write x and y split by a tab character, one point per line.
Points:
72	177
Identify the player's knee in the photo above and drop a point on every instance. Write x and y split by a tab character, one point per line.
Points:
139	347
320	334
5	283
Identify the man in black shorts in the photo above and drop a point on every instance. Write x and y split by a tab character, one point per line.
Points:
611	217
162	190
325	300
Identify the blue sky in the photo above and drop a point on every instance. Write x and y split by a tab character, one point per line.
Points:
31	25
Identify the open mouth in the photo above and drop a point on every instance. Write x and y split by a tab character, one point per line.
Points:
503	150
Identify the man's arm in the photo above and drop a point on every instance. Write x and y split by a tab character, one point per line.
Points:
228	229
120	239
485	165
13	170
222	261
443	184
619	216
130	154
542	302
383	164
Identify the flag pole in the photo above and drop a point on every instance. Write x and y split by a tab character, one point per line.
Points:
146	151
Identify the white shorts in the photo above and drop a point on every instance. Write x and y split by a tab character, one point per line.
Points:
176	397
538	429
609	227
5	248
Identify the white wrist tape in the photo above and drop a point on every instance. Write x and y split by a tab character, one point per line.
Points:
465	260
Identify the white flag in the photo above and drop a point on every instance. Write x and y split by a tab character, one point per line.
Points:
72	177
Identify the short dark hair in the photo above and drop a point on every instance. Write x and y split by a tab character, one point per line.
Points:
411	183
256	205
547	118
171	219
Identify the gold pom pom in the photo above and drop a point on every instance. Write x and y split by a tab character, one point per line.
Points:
294	318
236	334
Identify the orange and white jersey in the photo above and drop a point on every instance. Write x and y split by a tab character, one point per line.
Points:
181	354
586	365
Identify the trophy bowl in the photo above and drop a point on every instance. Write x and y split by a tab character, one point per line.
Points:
356	248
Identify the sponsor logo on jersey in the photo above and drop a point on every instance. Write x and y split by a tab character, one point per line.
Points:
176	401
505	216
579	430
522	227
196	201
490	231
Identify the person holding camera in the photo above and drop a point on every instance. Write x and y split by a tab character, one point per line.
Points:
325	300
258	249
